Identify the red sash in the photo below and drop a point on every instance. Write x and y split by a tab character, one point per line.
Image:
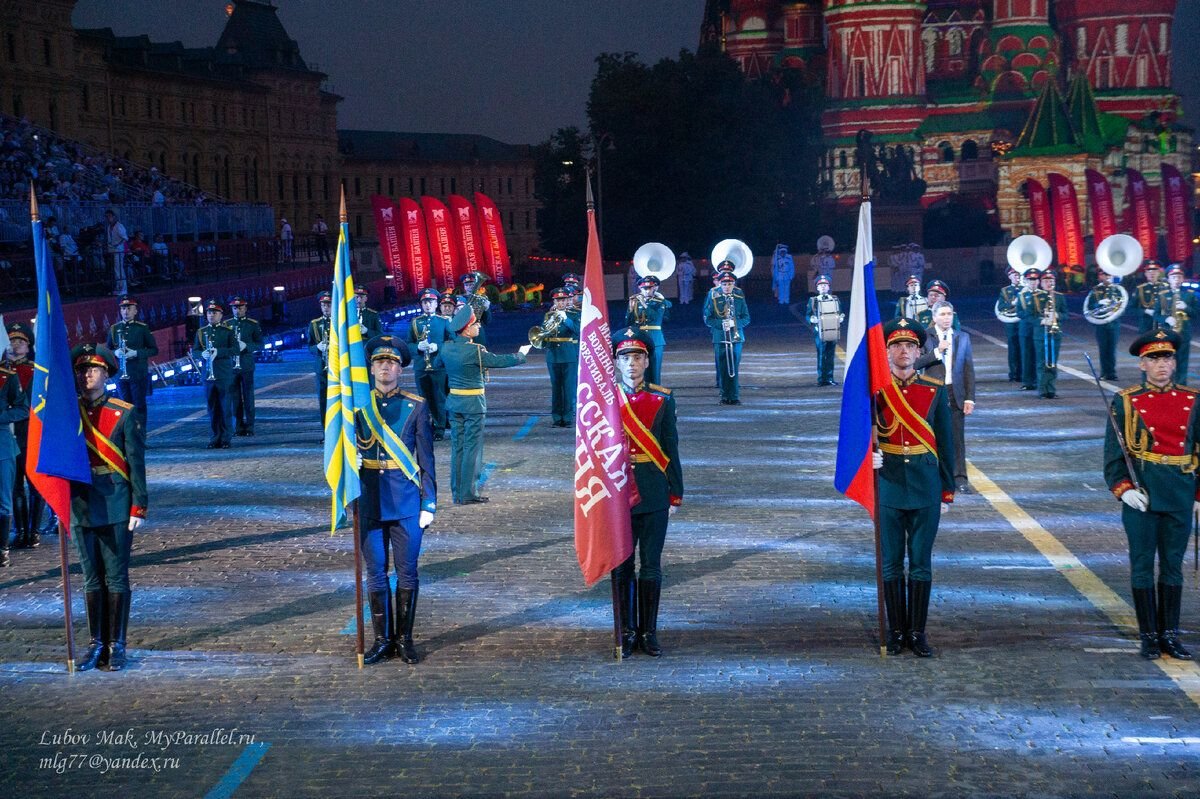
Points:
638	433
908	418
103	447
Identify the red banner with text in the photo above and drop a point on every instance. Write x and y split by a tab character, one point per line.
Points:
495	247
1039	210
1068	227
1100	200
387	225
1179	227
1140	215
466	222
416	245
446	257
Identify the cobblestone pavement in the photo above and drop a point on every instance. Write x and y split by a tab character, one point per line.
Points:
771	684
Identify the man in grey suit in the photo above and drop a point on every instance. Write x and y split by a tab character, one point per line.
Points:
945	345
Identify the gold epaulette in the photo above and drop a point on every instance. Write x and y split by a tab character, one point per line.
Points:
139	322
411	396
658	388
120	403
933	381
1129	392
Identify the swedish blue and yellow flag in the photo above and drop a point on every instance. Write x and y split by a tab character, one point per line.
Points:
349	389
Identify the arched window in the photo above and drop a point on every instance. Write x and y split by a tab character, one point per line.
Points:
970	150
947	152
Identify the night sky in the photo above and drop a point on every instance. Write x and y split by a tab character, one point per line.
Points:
515	70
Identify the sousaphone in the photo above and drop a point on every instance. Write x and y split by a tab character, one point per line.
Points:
654	260
1025	252
737	253
1119	255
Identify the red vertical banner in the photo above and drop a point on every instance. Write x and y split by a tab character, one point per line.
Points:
387	225
1179	228
445	255
493	236
1068	227
1100	200
466	222
1137	201
416	245
1039	210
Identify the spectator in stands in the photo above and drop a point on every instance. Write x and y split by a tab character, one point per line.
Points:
161	258
285	239
321	238
139	256
116	241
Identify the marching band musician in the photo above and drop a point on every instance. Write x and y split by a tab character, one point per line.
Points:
1181	306
1028	319
106	513
1160	428
649	419
820	305
1104	295
912	303
28	507
318	346
947	357
427	333
14	408
937	291
134	345
1007	304
915	484
399	496
466	364
726	314
248	337
562	357
822	263
648	309
481	306
1050	312
1150	299
368	319
217	343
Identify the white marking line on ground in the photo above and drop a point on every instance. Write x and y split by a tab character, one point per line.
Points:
1141	740
1018	568
1111	650
203	412
1185	674
1061	366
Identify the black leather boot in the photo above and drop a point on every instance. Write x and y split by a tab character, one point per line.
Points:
406	614
627	595
897	617
918	611
97	617
649	592
1143	604
118	626
4	560
20	519
1169	599
381	621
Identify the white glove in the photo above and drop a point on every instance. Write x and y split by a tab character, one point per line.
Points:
209	354
362	330
1196	513
130	353
876	460
358	461
1137	499
242	346
524	349
433	347
485	302
812	320
322	345
135	522
1149	312
945	507
422	346
671	510
1170	321
425	519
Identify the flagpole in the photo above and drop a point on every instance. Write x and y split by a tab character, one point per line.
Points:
358	593
66	573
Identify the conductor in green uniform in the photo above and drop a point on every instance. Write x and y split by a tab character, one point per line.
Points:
217	345
134	345
318	347
466	364
562	357
426	335
1159	424
248	337
915	464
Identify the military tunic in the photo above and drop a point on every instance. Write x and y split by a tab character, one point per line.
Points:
28	505
318	331
482	307
217	391
825	349
249	332
1007	303
1180	308
562	362
912	306
648	317
1107	334
1047	339
14	408
1151	305
137	336
717	307
369	323
430	379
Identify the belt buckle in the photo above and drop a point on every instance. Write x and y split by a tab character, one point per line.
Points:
906	449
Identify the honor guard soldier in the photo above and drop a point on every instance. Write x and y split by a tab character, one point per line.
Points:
648	309
726	315
1105	295
134	345
826	317
368	320
318	346
426	334
14	408
1006	308
1049	312
476	297
105	514
1150	298
1155	433
466	364
28	507
218	345
248	336
1028	318
915	464
649	420
912	304
1180	306
560	340
399	496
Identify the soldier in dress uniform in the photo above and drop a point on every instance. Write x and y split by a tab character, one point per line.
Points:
1160	428
1007	304
1049	313
1105	294
368	320
216	342
912	303
481	306
318	346
915	461
824	303
1181	307
654	452
648	309
1149	298
685	276
14	408
134	345
935	292
105	514
399	496
783	271
562	358
726	314
1028	317
426	334
28	507
466	364
248	337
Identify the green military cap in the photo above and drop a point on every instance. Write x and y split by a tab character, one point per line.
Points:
1156	344
632	339
388	348
904	329
83	355
20	330
463	318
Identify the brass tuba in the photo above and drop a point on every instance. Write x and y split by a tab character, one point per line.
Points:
1119	255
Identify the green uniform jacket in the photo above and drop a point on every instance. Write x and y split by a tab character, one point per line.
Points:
137	337
1032	306
714	315
1182	316
250	333
657	311
920	479
1102	292
224	342
438	328
658	490
111	499
1008	299
466	364
372	327
1172	412
14	407
1150	297
563	345
318	331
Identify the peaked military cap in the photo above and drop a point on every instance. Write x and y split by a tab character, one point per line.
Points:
427	294
1033	273
649	280
823	279
1155	343
463	318
897	330
214	305
1152	263
83	355
1176	269
20	330
571	277
389	348
238	301
561	293
631	339
361	291
937	285
127	299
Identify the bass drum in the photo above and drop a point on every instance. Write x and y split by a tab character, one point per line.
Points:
829	323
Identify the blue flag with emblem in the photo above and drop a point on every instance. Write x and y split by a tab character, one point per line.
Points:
349	390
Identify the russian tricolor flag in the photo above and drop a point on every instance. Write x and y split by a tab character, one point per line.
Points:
866	373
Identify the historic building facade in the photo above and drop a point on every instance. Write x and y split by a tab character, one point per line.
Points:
953	86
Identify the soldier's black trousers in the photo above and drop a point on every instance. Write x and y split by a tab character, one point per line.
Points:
911	532
220	411
404	536
104	556
562	389
432	386
728	382
649	535
1029	358
242	392
133	391
1151	533
1013	333
1106	342
825	359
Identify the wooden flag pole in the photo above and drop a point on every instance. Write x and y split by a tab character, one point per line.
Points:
66	577
358	593
616	603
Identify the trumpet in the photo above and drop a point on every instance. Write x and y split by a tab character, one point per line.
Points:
428	327
1050	322
324	331
549	326
123	355
212	360
237	363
